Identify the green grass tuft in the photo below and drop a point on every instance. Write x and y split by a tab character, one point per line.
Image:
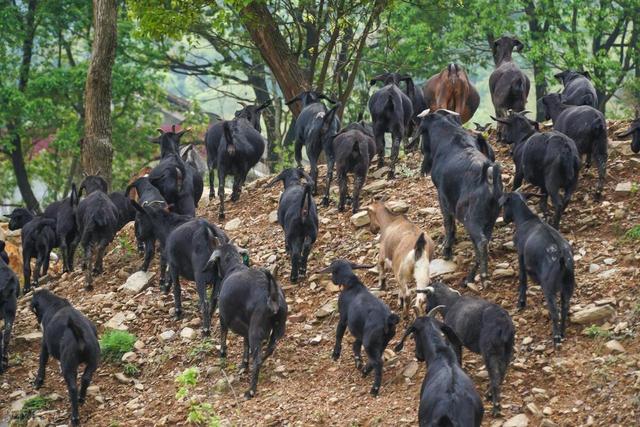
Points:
595	331
32	406
633	233
131	370
114	344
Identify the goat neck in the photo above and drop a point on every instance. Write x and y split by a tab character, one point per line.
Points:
521	212
435	348
383	215
554	107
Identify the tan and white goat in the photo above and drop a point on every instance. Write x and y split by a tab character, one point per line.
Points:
405	249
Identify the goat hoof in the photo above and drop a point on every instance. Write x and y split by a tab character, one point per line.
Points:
336	355
341	208
521	305
325	201
81	400
358	363
88	287
38	383
374	391
391	175
206	332
75	422
223	355
293	279
249	394
220	216
496	412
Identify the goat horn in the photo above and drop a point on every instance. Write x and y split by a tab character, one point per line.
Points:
424	113
435	310
449	111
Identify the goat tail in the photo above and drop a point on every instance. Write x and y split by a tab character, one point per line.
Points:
273	292
394	103
492	174
306	202
77	333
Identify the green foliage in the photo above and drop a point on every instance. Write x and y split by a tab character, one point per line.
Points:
202	414
187	380
125	245
32	406
633	233
131	370
114	344
595	331
201	349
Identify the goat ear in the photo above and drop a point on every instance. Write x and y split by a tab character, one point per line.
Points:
420	245
518	45
375	79
355	266
137	207
213	260
626	133
160	130
280	177
500	120
453	339
323	96
410	330
586	74
328	269
73	197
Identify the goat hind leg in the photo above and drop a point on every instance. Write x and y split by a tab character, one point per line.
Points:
395	153
357	353
553	313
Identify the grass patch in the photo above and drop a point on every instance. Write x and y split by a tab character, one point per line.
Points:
186	380
595	331
126	247
201	349
131	370
114	344
32	406
202	414
633	233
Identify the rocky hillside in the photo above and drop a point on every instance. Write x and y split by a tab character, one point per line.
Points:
594	379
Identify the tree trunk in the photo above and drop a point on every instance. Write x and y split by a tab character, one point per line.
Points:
263	29
541	88
97	149
17	159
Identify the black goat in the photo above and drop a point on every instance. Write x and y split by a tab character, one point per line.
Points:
578	89
92	183
214	135
63	212
69	337
251	304
126	211
353	148
448	396
97	221
509	86
146	194
369	319
298	217
548	160
634	131
391	111
179	183
38	238
586	126
418	105
469	184
240	149
314	129
9	290
186	245
544	255
483	327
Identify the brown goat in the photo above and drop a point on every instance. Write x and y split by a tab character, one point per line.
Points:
404	248
451	90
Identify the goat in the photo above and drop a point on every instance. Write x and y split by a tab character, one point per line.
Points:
314	129
92	183
251	304
38	238
185	245
97	222
586	126
215	133
63	212
369	319
9	291
353	149
548	160
146	194
448	396
406	249
545	256
69	337
578	89
418	105
469	184
179	183
451	89
240	149
391	111
483	327
509	86
634	131
126	211
298	217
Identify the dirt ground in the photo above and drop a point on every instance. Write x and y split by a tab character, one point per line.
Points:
583	383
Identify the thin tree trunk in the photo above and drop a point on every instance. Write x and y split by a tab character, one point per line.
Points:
97	149
17	158
263	29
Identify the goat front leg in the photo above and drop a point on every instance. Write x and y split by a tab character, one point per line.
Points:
522	290
221	178
314	174
174	279
237	184
44	357
149	250
4	343
164	287
395	153
382	264
26	270
297	152
357	353
327	190
449	235
340	329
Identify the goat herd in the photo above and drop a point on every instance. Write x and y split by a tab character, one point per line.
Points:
250	301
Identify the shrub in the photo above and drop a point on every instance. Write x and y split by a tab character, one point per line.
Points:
202	414
131	370
114	344
595	331
32	406
187	379
633	233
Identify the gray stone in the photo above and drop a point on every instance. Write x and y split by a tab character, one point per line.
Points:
411	369
500	273
188	333
360	219
273	217
137	282
326	310
117	322
233	225
397	206
30	337
614	346
520	420
167	335
123	378
594	268
375	186
19	404
624	187
593	314
438	267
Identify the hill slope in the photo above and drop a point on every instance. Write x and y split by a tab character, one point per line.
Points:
581	384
